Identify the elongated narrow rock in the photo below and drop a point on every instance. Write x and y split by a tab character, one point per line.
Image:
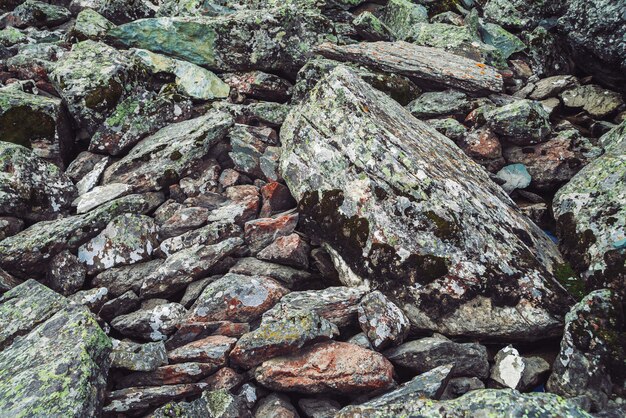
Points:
423	64
418	219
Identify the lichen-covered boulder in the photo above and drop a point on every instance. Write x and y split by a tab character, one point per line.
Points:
403	16
91	79
90	25
38	14
418	219
30	187
152	324
274	40
591	213
382	321
505	403
522	122
28	253
136	117
164	157
519	14
592	350
56	361
37	122
191	79
594	30
127	239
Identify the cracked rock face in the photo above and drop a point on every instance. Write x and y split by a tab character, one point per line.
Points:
405	217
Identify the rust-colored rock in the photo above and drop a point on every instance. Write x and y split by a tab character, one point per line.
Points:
328	367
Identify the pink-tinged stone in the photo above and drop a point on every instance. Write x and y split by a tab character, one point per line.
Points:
290	250
328	367
213	350
276	198
260	233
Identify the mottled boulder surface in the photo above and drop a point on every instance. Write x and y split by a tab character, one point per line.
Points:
419	220
55	362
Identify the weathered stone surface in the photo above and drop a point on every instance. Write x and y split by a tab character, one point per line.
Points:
445	103
138	357
468	359
420	63
29	251
120	280
91	91
39	14
185	266
372	174
219	403
288	276
591	213
37	122
523	122
337	304
213	350
123	304
136	117
550	87
183	220
514	177
207	235
100	195
275	406
32	188
509	368
458	386
484	147
127	239
319	407
595	100
164	157
288	34
276	198
402	17
174	374
91	25
258	85
502	403
236	297
188	332
152	324
594	31
382	321
58	365
281	336
9	226
428	385
65	274
7	282
141	398
260	233
191	80
327	367
592	350
291	250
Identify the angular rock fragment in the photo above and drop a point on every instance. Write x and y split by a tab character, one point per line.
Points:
31	187
461	385
90	25
319	407
38	14
188	332
403	16
405	199
290	250
429	385
100	195
509	368
498	402
60	347
120	305
37	122
328	367
595	100
288	34
592	350
236	297
29	251
141	398
382	321
183	220
174	374
468	359
91	91
514	177
336	304
138	357
290	277
127	239
152	324
120	280
276	406
211	350
258	85
281	336
185	266
259	233
484	147
164	157
523	122
422	64
446	103
207	235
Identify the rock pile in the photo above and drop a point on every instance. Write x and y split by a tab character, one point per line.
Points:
261	208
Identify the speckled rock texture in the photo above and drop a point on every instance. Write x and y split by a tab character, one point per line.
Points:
53	355
409	221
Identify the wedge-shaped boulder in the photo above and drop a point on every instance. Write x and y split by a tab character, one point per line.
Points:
275	40
32	188
164	157
59	363
425	65
417	218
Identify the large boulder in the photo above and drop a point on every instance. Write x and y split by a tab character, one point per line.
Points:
36	122
594	32
275	40
418	219
54	358
30	187
591	213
